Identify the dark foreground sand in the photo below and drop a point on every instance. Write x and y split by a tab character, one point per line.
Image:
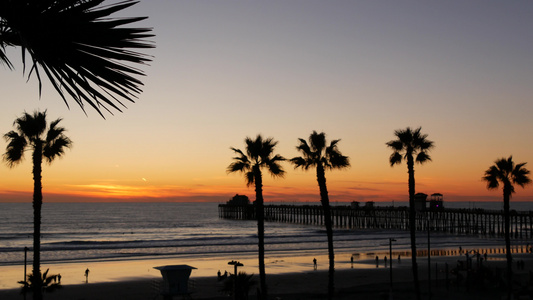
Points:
369	283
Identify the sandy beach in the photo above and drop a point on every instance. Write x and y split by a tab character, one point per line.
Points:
291	277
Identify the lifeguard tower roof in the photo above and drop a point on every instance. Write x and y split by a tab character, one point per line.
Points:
175	267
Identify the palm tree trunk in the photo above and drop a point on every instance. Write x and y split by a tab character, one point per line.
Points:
412	224
259	210
37	204
506	199
324	198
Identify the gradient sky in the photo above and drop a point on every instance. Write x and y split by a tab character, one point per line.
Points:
356	70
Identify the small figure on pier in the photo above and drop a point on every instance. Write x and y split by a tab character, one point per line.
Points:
314	264
385	260
399	259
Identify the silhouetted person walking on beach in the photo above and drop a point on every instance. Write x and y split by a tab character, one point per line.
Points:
351	260
314	264
87	275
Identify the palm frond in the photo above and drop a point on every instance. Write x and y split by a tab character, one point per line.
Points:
54	131
422	157
304	148
30	130
317	141
84	52
56	148
520	175
410	143
31	126
7	38
274	166
250	178
492	176
338	161
238	166
395	158
396	145
298	162
505	171
259	154
15	148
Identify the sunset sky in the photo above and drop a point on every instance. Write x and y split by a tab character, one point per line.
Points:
356	70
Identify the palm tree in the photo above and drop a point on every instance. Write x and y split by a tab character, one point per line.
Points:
505	172
80	47
411	146
316	154
32	134
48	282
259	155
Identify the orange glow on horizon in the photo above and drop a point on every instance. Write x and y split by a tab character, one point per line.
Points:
275	192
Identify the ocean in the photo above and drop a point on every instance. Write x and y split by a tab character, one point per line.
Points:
76	232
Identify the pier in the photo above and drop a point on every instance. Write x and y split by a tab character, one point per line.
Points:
455	221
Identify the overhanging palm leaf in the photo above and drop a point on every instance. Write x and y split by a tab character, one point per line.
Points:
83	51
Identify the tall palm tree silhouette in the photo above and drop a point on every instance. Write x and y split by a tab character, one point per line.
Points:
80	47
316	154
507	173
412	146
259	154
32	134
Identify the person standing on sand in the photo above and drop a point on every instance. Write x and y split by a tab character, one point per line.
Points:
87	275
314	264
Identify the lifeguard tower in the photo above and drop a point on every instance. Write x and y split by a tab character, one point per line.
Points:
175	281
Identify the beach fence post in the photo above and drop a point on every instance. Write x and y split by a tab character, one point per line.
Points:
25	261
390	265
25	268
429	256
